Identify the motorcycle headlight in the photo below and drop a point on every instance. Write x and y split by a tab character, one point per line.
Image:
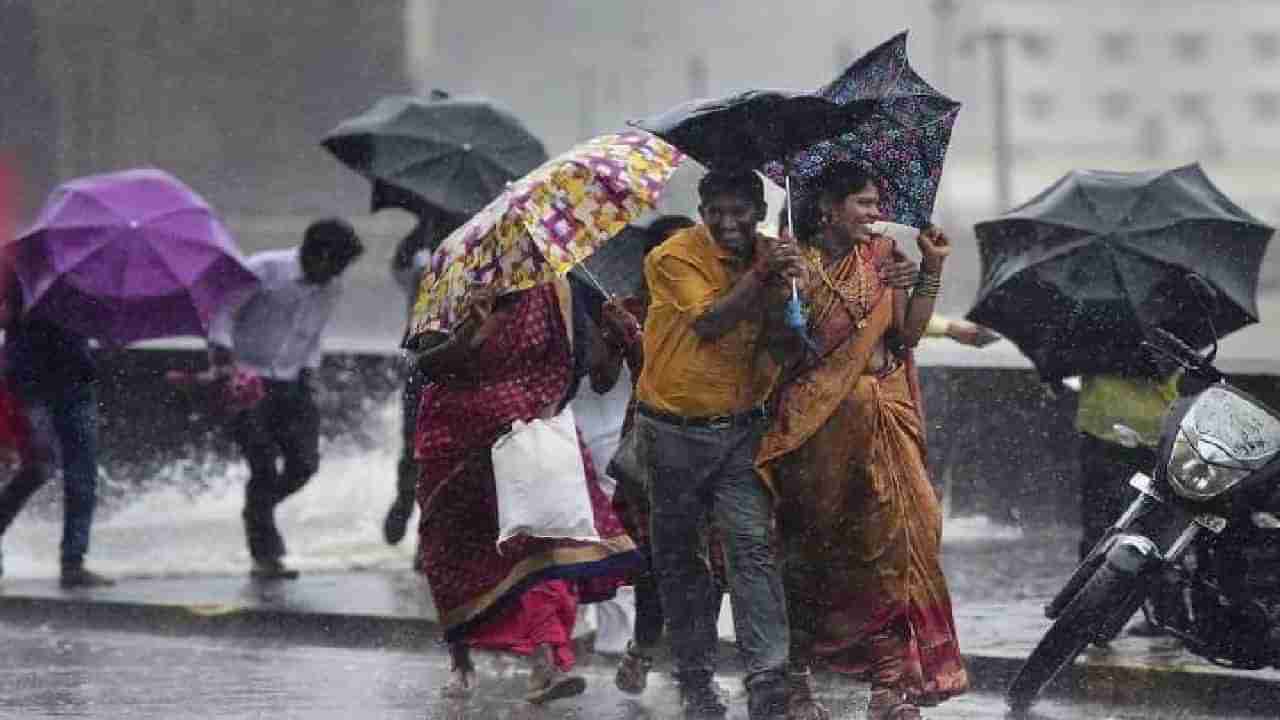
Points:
1222	439
1195	477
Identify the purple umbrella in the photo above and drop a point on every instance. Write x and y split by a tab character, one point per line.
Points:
128	256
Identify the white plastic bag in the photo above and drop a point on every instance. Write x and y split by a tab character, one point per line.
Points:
541	481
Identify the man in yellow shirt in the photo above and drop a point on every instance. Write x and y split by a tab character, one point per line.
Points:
714	288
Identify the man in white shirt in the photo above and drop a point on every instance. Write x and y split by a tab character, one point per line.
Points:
275	332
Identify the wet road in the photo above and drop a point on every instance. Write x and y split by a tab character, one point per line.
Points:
53	672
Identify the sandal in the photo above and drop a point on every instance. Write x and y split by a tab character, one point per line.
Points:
801	705
891	704
633	672
548	682
559	685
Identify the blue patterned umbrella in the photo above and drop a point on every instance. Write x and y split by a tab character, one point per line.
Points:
904	141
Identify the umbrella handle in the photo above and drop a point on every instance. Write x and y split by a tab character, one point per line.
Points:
591	276
791	224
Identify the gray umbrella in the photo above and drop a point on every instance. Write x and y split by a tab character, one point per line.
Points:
455	153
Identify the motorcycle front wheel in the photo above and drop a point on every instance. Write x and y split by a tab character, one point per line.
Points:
1106	593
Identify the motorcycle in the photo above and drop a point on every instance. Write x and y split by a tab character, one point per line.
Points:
1198	549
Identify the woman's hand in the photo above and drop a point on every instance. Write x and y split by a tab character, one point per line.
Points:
899	272
620	327
480	302
934	248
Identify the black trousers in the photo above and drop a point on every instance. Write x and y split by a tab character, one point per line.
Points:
1105	469
407	468
280	439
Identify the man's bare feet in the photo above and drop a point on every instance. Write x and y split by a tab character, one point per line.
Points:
462	683
462	673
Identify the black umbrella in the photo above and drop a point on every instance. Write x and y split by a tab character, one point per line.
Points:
457	154
1079	274
748	130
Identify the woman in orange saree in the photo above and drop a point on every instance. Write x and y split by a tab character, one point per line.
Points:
859	522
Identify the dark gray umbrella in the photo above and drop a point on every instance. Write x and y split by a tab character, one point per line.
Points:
1078	275
454	153
617	267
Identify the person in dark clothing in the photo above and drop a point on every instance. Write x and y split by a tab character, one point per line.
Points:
275	333
52	373
407	265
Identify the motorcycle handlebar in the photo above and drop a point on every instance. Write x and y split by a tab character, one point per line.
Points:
1168	345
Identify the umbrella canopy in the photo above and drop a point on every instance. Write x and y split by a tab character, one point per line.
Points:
618	267
545	223
128	256
1076	276
746	131
455	153
903	139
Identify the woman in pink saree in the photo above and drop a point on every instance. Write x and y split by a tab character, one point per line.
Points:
511	359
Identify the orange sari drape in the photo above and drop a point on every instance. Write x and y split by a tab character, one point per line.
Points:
860	524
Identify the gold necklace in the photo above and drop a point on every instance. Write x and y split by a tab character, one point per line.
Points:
853	296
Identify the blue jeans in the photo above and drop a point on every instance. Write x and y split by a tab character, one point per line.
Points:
64	422
699	473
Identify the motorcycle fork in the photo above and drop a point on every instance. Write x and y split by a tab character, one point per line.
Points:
1140	506
1150	582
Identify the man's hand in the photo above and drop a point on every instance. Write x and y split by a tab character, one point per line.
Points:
781	259
307	377
220	360
620	327
972	334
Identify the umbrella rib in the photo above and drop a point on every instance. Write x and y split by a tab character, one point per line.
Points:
61	273
103	247
198	242
1064	249
1120	283
99	202
416	162
208	211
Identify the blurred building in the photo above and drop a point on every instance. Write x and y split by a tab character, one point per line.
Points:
230	96
1126	84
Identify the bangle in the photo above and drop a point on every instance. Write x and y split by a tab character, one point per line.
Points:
927	285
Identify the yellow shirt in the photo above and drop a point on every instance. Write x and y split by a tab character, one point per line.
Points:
683	373
1137	403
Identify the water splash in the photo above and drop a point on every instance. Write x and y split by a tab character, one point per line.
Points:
172	528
